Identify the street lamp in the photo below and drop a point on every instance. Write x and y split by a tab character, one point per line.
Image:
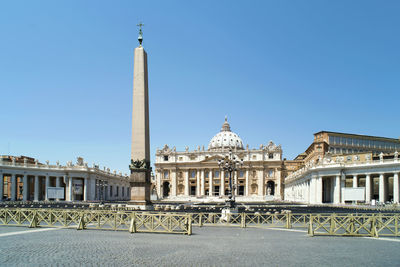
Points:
230	164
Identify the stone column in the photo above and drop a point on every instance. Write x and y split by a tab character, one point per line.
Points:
187	183
13	187
210	183
58	184
85	189
342	185
368	188
396	188
46	187
337	189
36	189
319	190
92	187
26	188
355	181
222	186
197	183
278	177
382	193
203	183
159	182
70	191
313	189
247	183
1	187
261	183
174	183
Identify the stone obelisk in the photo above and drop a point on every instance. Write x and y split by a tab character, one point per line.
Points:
140	154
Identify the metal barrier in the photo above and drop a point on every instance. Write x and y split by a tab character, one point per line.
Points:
374	225
134	222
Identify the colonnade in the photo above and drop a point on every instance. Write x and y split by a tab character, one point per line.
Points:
318	188
80	187
214	182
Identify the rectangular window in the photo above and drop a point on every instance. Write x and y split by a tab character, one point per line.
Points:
193	174
206	173
166	174
117	190
270	156
241	174
111	192
166	158
331	140
216	174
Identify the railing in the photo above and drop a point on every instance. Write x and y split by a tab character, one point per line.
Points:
134	222
373	225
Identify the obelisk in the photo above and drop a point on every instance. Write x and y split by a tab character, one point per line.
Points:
140	154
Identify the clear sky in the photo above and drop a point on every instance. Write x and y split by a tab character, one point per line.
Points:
280	70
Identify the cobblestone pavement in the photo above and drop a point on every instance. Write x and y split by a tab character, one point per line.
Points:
208	246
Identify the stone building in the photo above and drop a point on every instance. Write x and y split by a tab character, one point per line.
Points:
195	175
339	168
343	143
24	178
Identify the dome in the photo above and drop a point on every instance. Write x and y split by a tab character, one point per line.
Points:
225	138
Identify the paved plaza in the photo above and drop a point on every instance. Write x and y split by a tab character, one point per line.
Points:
208	246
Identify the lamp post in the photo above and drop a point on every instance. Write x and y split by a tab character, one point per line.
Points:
230	164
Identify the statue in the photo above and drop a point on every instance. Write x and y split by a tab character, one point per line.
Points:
269	191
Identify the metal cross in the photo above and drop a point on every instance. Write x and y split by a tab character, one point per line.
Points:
140	25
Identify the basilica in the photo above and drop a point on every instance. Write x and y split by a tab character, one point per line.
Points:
195	175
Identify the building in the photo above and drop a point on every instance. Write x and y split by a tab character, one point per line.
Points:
195	175
343	143
339	168
24	178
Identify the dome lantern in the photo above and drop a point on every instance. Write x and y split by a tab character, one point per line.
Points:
225	138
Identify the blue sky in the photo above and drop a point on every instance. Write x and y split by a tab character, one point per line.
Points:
280	70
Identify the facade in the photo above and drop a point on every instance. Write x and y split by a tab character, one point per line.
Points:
346	178
342	143
196	176
24	178
341	167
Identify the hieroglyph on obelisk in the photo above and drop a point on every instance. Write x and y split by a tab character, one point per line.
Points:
140	154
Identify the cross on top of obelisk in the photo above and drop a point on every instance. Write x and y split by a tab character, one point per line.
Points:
140	38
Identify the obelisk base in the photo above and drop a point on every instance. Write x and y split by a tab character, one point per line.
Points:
140	187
